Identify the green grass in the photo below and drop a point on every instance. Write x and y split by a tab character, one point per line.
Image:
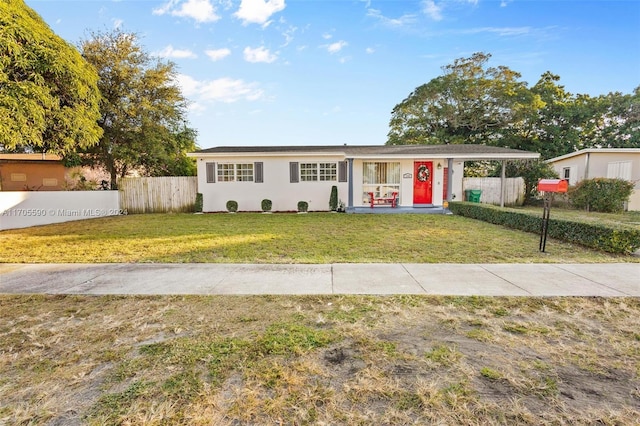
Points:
285	238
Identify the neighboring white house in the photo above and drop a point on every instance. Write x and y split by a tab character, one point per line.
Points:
421	175
622	163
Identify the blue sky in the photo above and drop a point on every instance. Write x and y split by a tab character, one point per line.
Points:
316	72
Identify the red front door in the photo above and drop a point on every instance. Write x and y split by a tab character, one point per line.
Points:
422	182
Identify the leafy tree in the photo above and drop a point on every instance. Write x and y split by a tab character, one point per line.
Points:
619	126
142	111
469	103
48	94
473	103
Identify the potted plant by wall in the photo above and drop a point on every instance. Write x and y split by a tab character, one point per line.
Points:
266	205
303	206
333	199
341	207
232	206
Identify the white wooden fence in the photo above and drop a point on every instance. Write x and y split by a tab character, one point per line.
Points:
490	187
158	194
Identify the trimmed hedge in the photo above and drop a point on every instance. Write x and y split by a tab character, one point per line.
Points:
232	206
610	239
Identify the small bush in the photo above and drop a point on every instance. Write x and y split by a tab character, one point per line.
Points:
266	205
601	194
199	203
333	199
593	235
303	206
232	206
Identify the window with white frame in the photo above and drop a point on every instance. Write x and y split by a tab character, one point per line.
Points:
308	172
312	172
383	179
566	173
235	172
328	171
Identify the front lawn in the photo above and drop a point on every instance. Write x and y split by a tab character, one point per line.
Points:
286	238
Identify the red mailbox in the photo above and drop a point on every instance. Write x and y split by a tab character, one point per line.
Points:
553	185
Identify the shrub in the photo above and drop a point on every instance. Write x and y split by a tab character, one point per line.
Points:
303	206
266	205
232	206
199	202
593	235
601	194
333	199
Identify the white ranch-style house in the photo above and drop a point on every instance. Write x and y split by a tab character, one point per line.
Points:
416	176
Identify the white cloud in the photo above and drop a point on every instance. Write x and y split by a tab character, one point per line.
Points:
391	22
432	10
259	54
501	31
170	52
258	11
199	10
224	89
336	47
288	35
326	36
117	23
217	54
370	50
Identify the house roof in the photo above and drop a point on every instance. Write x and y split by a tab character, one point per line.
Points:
595	151
30	157
464	152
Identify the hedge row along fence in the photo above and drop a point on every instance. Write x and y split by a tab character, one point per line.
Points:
606	238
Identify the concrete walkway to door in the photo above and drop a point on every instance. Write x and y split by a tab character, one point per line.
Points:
607	280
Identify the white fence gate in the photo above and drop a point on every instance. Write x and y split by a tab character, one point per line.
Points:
490	187
158	194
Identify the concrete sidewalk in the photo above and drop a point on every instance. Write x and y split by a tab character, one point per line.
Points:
620	279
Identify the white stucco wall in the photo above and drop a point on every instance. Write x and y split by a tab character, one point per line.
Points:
276	186
22	209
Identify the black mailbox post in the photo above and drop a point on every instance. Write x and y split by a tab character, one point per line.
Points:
549	187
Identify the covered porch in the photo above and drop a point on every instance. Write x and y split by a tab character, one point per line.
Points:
416	178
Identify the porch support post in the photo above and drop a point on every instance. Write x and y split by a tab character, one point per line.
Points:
449	178
350	198
502	182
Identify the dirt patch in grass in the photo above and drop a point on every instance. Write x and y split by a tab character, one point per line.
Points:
353	360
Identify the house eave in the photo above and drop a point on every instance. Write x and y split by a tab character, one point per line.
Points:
594	150
459	157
